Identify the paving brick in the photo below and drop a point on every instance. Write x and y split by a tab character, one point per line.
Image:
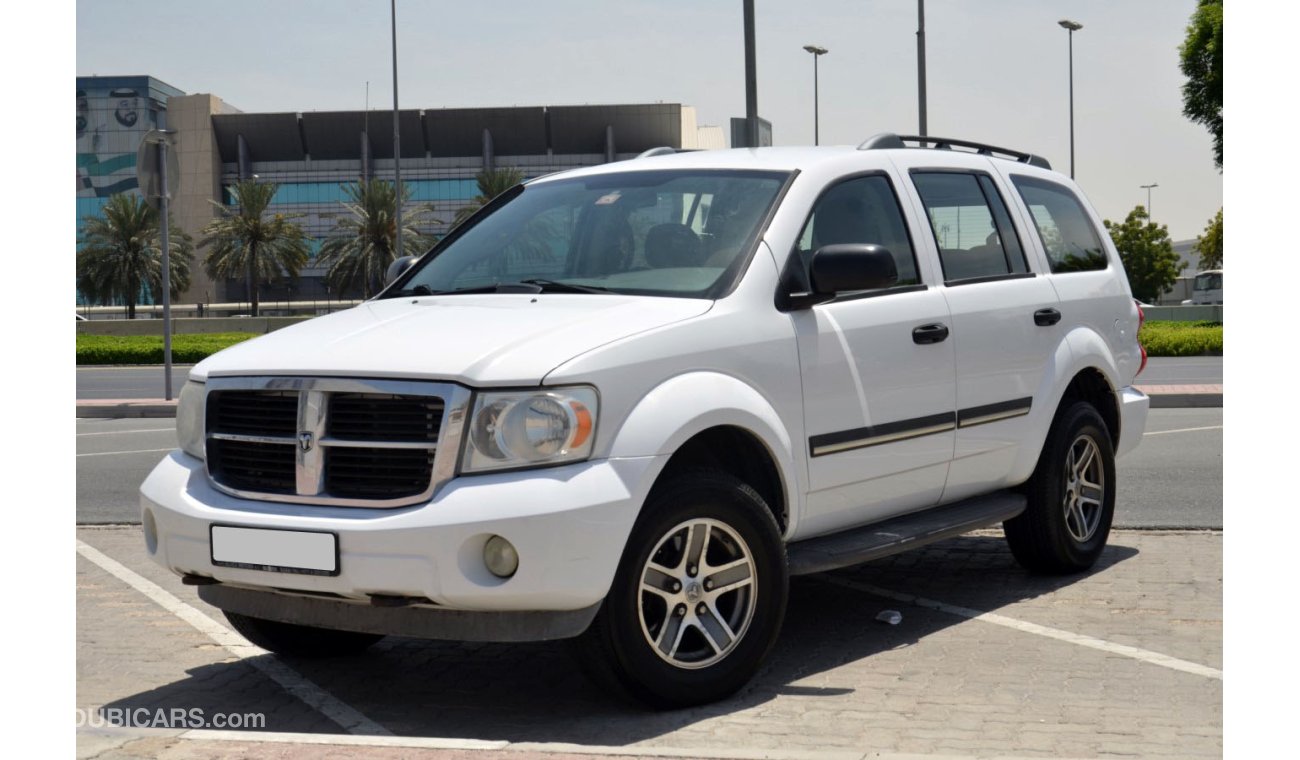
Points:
936	685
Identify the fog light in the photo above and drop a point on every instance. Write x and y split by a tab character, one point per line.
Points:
500	557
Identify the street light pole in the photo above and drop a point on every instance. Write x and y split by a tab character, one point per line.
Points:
817	52
920	62
397	144
1071	27
1148	189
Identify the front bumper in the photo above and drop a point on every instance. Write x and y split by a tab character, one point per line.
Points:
1133	407
569	525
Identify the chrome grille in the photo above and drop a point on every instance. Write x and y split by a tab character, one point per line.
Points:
332	441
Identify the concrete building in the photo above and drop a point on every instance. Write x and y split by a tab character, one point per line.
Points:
311	155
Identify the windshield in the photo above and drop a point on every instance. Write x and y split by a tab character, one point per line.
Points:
1209	281
679	233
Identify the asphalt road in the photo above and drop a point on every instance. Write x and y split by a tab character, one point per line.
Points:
1182	370
127	382
147	382
1173	480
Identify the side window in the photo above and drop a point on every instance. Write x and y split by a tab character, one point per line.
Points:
859	210
1068	237
971	225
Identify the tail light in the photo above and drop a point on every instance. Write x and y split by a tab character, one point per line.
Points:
1142	318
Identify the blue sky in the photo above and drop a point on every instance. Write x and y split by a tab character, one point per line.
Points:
996	70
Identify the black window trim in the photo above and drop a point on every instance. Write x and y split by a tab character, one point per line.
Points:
1087	218
1029	273
991	278
785	301
998	224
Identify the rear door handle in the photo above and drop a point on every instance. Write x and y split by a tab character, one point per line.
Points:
1046	317
935	333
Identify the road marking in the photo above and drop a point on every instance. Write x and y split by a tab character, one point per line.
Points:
114	390
1183	430
137	451
1145	655
128	432
535	748
291	680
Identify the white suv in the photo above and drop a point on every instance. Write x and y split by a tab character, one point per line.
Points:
626	403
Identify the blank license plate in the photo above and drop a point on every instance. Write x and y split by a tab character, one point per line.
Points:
277	551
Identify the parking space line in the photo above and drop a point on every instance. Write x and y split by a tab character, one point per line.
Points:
1145	655
543	748
1184	430
111	453
289	679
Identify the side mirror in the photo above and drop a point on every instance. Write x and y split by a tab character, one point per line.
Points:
396	269
851	266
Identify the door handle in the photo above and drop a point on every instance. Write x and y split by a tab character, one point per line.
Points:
1046	317
935	333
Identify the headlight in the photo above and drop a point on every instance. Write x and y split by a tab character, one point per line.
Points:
530	428
189	419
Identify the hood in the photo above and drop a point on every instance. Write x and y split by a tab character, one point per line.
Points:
488	339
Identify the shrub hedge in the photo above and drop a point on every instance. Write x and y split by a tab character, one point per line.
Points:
1182	338
148	349
1160	339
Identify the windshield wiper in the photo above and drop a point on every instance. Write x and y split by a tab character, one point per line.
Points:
564	287
532	285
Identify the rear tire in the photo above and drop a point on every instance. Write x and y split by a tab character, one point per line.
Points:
1071	496
698	598
300	640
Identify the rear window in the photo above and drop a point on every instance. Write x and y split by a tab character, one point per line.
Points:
971	226
1068	237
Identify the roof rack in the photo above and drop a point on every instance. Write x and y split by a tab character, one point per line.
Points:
664	150
886	140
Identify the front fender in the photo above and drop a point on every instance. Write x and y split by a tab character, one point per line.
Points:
685	405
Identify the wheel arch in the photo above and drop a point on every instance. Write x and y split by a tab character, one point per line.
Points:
713	420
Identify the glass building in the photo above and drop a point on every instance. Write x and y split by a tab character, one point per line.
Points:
312	155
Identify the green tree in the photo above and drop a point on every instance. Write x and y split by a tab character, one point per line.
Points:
1148	255
364	243
1210	244
121	252
491	183
246	241
1202	64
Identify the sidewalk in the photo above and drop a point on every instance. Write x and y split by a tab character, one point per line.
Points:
1162	397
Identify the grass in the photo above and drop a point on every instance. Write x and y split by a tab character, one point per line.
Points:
148	349
1182	338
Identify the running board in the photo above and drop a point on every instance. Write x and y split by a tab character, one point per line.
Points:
899	534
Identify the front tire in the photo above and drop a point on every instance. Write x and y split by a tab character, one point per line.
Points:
1071	496
300	640
698	598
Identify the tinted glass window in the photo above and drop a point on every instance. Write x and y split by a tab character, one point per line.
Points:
970	224
1068	237
859	210
674	233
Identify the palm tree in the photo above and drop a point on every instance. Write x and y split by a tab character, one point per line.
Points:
247	241
121	252
491	183
364	242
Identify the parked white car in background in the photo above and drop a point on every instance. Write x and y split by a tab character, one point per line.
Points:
626	403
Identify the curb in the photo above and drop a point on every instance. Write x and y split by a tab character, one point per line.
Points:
1184	396
126	409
